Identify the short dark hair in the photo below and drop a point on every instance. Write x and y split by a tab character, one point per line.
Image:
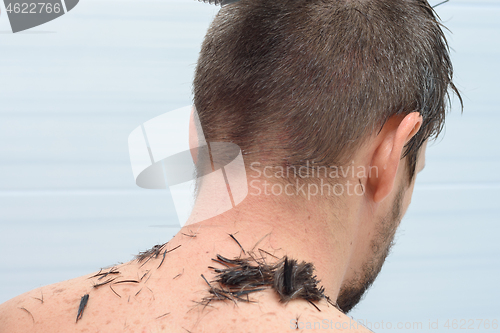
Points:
291	81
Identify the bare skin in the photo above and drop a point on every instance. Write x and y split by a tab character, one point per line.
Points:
163	294
163	301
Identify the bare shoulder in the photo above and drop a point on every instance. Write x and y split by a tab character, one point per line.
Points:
331	320
266	314
83	304
119	298
137	298
42	307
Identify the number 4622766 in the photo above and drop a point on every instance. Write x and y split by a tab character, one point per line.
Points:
471	324
33	8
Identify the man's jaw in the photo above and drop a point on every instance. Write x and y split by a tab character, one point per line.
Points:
352	291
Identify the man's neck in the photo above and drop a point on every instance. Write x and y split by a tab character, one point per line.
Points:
300	229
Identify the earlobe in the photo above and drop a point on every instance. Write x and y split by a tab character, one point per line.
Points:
388	151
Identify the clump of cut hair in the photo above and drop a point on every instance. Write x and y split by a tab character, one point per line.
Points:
243	276
291	81
151	253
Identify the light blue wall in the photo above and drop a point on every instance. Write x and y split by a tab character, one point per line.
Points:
73	89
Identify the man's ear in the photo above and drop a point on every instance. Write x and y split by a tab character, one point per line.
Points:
387	154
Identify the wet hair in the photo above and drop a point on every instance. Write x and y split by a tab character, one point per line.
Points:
289	278
292	81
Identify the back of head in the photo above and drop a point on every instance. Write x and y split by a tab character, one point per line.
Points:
292	81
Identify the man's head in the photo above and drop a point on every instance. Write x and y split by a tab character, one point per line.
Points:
292	81
330	81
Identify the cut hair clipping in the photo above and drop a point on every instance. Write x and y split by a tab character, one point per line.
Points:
439	4
219	2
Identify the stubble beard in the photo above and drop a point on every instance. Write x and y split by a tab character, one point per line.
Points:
352	292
